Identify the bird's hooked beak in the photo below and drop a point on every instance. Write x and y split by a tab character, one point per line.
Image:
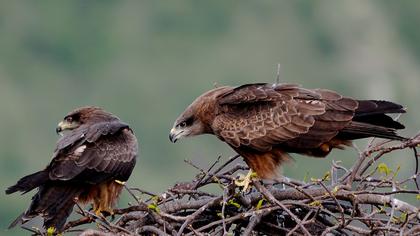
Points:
64	125
175	134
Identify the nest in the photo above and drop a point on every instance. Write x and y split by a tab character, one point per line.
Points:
362	200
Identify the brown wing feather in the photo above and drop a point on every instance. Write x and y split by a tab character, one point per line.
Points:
339	111
260	116
103	150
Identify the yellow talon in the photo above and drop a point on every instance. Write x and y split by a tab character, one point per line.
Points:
98	212
51	231
119	182
325	147
244	181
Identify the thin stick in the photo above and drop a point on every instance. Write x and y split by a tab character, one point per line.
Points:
197	213
272	199
132	194
36	231
278	74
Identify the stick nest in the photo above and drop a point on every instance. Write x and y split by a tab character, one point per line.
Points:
367	199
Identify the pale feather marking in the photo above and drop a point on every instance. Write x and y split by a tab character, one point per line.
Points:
79	150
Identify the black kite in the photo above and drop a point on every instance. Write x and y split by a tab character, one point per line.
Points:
264	122
96	153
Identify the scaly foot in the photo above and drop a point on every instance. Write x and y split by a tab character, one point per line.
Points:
100	212
244	181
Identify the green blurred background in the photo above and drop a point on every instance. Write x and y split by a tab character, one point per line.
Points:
147	60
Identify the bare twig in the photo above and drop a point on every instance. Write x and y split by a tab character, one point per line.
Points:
278	74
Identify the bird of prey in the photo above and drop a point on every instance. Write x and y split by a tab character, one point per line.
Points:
95	155
264	122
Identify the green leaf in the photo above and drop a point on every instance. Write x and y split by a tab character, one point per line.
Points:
315	204
259	204
335	190
233	203
153	207
383	169
155	199
327	176
396	172
403	217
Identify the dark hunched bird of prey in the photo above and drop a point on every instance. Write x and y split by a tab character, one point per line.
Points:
94	157
264	122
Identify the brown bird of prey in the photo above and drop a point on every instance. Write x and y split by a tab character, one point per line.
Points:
264	122
95	155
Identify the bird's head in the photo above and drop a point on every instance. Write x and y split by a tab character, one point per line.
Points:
187	124
198	116
84	115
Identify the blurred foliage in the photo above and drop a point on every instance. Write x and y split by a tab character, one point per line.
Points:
147	60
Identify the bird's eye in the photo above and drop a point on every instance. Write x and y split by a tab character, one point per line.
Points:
183	124
69	119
